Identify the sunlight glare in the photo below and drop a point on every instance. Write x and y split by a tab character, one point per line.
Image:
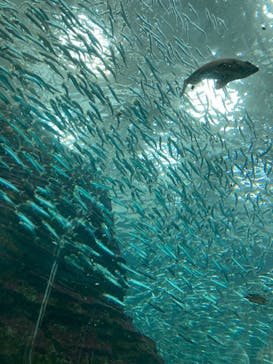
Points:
93	35
251	182
206	99
267	11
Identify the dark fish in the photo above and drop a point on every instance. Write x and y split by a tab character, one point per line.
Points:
256	298
222	70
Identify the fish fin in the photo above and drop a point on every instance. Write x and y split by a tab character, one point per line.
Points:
220	84
185	84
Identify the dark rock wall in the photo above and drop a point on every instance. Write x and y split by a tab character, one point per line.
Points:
53	274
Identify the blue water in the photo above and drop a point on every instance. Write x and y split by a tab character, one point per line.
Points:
96	86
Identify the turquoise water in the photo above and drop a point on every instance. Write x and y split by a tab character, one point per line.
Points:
96	85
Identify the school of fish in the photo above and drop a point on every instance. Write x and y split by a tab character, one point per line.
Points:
190	184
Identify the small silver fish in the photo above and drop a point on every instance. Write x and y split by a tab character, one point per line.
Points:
223	71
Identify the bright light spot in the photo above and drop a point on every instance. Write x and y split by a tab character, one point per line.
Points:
88	44
65	138
68	140
251	181
267	11
227	128
206	100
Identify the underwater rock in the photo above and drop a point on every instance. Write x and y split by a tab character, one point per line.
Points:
56	275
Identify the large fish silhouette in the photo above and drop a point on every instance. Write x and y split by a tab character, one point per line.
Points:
223	71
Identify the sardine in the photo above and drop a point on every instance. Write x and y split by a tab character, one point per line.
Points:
223	71
113	299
